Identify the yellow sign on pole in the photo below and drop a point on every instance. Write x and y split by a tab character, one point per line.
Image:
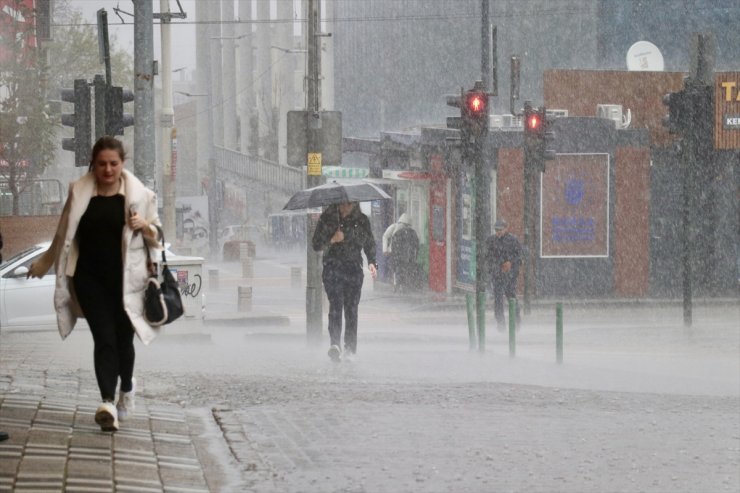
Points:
314	164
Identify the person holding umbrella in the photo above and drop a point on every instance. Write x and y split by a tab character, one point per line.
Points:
343	231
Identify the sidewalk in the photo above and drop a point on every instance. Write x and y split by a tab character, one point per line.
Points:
414	362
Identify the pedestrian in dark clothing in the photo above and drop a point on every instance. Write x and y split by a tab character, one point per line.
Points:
404	250
503	258
343	232
100	251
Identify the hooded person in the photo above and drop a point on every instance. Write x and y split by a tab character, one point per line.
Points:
343	233
404	248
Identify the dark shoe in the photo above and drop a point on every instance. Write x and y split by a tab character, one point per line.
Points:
335	353
3	436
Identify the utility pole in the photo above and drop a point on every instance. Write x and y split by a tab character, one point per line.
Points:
167	124
690	115
144	154
314	312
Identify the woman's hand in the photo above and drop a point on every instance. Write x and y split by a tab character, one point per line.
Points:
373	270
136	222
338	237
34	271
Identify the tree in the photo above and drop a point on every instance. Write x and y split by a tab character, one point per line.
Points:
27	134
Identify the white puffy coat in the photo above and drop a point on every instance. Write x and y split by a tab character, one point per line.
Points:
63	253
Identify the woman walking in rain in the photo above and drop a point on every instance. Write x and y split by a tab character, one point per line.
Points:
344	231
100	256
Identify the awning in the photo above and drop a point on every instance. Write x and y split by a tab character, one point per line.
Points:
342	172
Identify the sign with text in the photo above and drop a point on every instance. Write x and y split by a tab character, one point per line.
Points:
575	206
727	110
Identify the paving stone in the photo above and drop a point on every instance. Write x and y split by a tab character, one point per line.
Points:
178	476
89	485
59	418
127	471
129	442
175	450
174	427
43	436
83	468
52	467
91	439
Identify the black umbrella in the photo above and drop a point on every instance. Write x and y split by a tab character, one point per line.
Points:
335	193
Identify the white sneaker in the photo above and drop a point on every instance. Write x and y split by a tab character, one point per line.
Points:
335	353
107	417
126	403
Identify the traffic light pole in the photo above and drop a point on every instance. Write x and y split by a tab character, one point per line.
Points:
481	232
314	293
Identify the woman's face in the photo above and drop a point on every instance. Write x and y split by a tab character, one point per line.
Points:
107	167
346	208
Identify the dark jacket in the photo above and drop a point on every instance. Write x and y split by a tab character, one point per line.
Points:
500	250
405	244
357	236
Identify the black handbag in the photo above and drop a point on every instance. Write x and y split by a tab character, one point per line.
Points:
162	301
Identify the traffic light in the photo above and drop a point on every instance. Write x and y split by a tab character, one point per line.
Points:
537	137
79	120
116	120
473	104
475	111
677	119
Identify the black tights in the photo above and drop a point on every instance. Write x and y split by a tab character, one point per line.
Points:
112	334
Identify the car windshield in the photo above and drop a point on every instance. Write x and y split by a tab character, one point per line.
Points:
20	255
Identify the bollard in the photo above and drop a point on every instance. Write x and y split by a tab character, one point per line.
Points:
213	279
295	277
559	331
512	327
471	320
247	268
243	251
482	321
245	298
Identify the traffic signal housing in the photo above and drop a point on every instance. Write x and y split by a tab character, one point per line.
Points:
537	137
474	111
677	119
116	120
473	104
79	96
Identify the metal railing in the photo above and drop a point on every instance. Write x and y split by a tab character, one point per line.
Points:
250	170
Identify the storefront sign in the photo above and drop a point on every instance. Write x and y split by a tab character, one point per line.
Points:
575	206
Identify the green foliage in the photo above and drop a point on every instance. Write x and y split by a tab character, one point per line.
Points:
27	136
73	54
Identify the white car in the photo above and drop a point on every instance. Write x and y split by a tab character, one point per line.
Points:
28	304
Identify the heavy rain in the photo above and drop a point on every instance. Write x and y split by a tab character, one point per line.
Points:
421	245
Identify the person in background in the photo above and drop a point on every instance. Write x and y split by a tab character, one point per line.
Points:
388	247
100	251
503	257
343	232
404	251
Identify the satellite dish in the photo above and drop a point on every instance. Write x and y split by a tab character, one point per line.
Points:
644	56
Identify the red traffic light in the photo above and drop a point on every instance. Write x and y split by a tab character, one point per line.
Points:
476	103
533	122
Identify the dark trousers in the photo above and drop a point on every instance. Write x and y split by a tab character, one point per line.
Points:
343	286
504	284
113	334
